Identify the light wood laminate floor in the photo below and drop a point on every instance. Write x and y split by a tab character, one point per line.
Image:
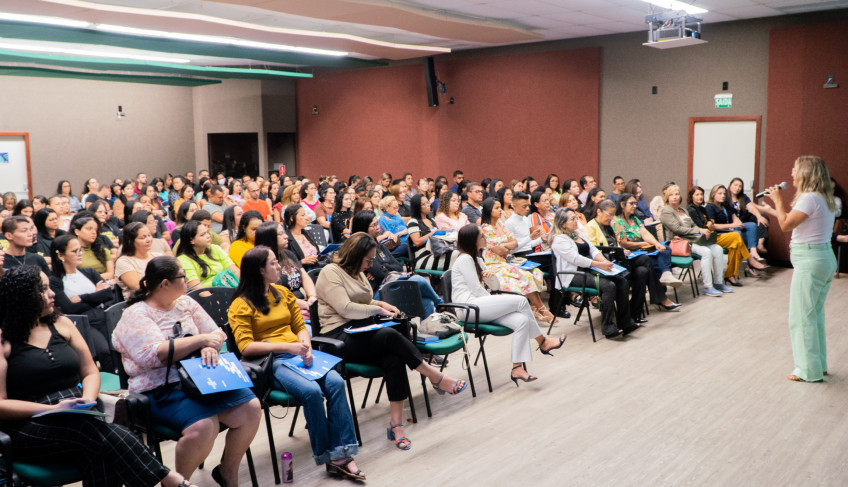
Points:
697	397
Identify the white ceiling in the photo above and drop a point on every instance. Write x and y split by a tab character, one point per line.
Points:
454	24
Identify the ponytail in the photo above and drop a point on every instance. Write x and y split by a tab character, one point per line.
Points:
158	269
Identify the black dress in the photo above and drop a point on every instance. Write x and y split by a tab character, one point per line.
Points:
106	454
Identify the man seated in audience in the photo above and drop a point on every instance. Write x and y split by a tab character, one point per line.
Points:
587	183
473	210
519	225
140	181
617	189
458	177
215	206
62	206
20	233
253	202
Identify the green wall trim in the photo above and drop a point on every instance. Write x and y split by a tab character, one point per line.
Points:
58	73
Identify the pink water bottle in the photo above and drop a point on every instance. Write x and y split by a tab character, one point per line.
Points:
286	467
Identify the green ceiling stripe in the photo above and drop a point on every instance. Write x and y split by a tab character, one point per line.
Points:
18	30
207	70
57	73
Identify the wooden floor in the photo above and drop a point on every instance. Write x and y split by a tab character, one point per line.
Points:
695	398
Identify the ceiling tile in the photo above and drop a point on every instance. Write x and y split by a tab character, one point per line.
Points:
752	12
580	4
579	18
621	14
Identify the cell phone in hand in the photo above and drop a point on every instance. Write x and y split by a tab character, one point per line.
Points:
85	405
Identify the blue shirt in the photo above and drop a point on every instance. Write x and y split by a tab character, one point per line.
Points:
394	224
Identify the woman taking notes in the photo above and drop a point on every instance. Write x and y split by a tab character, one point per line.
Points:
811	222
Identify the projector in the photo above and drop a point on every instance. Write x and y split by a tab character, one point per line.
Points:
673	29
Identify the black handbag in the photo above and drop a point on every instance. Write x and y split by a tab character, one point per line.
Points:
186	383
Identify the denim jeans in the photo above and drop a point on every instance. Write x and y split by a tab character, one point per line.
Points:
428	295
662	261
749	234
330	432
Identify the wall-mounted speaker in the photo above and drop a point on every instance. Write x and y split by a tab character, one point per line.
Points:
431	81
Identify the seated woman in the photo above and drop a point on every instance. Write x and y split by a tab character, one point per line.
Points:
593	198
568	200
265	319
33	382
725	219
94	255
391	221
82	292
229	227
573	252
47	224
301	242
158	245
448	216
632	235
110	227
243	242
732	241
541	215
184	213
749	212
420	226
511	278
342	214
599	232
135	254
324	211
345	300
309	198
467	277
385	263
678	223
504	196
205	263
643	210
144	336
292	274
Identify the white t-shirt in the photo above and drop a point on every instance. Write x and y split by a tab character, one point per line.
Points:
818	227
76	284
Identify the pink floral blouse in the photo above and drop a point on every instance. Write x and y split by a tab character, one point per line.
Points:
143	328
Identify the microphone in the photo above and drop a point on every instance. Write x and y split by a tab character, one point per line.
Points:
761	193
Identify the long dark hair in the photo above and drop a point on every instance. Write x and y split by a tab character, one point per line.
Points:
59	187
21	303
415	207
534	198
20	205
267	236
59	245
486	211
128	238
158	269
466	242
622	202
40	220
245	221
229	223
353	251
289	215
182	212
96	246
361	221
728	201
187	234
548	182
128	210
251	286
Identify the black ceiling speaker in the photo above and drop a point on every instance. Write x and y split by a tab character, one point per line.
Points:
431	81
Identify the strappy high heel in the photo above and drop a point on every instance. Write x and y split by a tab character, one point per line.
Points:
548	351
458	386
343	470
530	378
402	443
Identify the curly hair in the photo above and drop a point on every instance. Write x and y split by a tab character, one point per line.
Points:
21	303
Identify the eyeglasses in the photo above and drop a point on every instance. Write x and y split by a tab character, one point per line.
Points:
182	276
368	261
78	251
631	203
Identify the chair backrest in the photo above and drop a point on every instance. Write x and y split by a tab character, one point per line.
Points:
313	318
215	301
313	274
447	286
113	316
81	322
316	231
406	296
411	254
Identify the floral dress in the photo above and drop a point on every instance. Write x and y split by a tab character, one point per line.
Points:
628	233
511	277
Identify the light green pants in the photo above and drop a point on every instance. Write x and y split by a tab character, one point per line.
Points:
814	266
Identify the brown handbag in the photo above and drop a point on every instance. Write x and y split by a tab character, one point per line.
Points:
680	247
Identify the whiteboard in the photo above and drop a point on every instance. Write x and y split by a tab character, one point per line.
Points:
14	165
722	151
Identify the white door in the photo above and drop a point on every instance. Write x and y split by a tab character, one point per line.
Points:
14	174
724	150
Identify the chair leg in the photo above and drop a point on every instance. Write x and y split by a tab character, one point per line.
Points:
353	411
271	445
380	391
251	468
426	396
294	421
411	402
479	352
485	362
468	364
367	391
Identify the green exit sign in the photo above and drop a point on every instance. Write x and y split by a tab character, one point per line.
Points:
724	100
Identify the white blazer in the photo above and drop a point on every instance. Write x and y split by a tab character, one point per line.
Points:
568	258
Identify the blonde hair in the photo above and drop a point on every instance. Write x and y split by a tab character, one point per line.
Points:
670	189
714	191
386	201
812	176
564	199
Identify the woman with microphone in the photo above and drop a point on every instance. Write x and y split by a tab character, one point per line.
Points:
811	222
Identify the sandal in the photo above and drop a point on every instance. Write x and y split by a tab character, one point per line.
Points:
530	378
402	443
458	386
343	470
548	350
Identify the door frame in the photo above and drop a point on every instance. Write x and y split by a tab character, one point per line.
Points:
743	118
25	135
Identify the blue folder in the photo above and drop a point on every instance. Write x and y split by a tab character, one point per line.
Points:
229	375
